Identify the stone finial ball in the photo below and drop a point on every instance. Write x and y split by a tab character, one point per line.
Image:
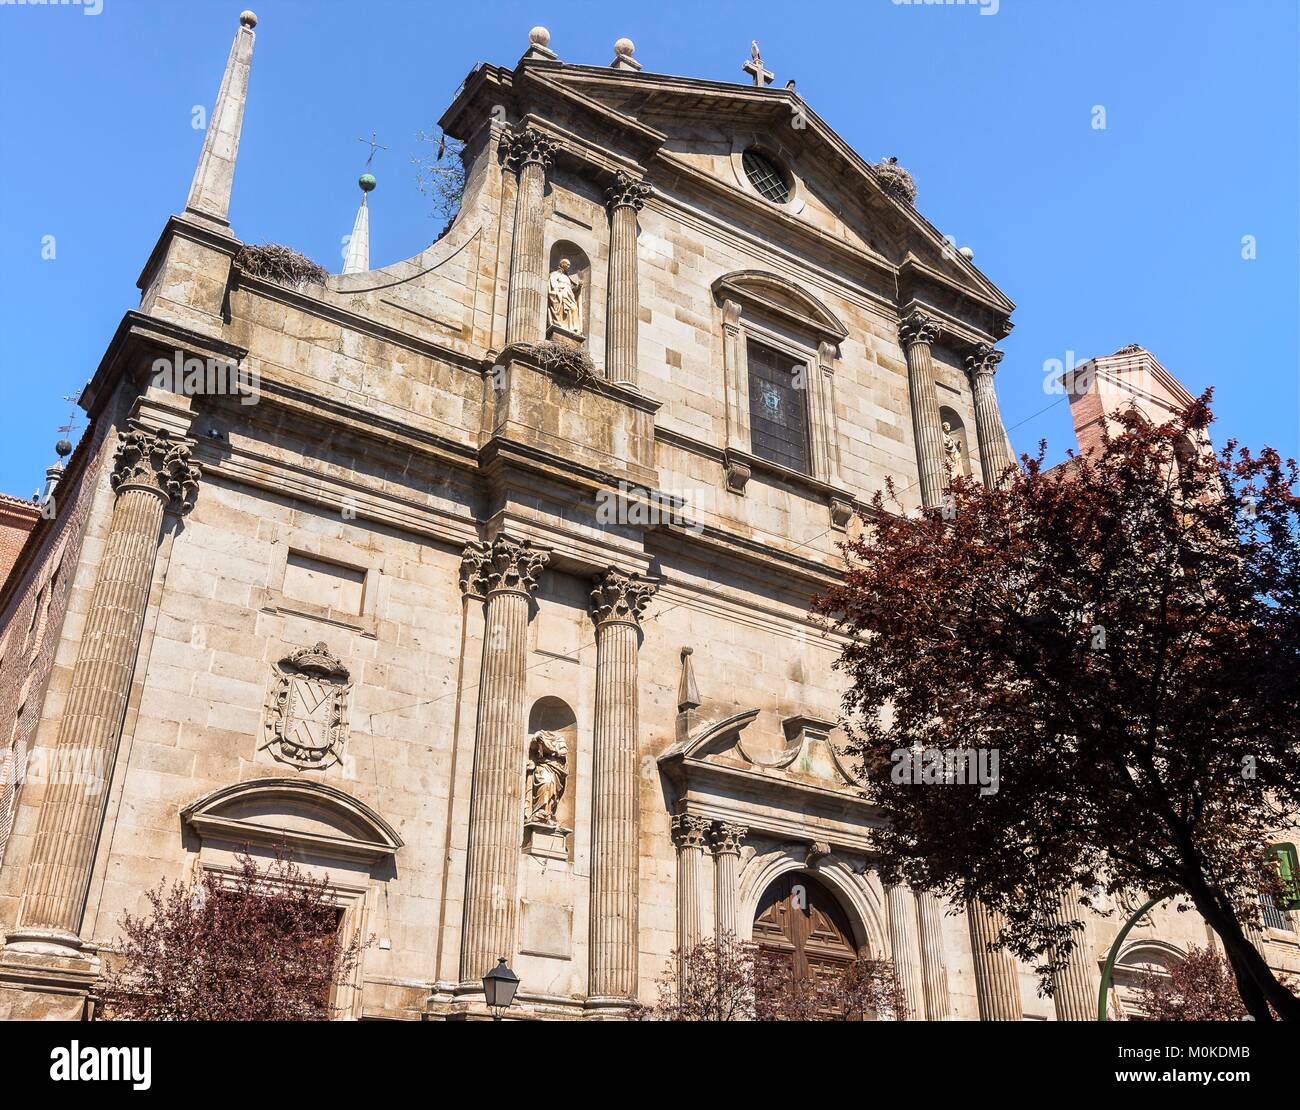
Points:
539	36
367	182
63	448
625	48
248	19
966	253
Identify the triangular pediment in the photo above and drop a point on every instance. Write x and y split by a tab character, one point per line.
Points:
692	125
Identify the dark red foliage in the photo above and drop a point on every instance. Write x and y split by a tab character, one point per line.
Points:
1124	631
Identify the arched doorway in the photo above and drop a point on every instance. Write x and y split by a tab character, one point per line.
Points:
800	921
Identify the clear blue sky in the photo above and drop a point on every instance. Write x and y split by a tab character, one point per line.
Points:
1101	237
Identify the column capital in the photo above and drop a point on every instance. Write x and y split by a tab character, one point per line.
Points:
627	192
983	359
690	830
528	146
727	838
619	598
918	327
157	461
503	566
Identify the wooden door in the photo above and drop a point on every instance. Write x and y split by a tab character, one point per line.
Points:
800	920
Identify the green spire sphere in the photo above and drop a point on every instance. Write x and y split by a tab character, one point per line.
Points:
367	182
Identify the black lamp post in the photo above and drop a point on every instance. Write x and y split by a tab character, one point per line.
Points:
499	986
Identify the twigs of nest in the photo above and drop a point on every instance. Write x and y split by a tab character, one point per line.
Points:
280	264
570	366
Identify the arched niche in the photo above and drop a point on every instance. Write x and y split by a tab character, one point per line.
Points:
861	899
957	430
553	714
579	269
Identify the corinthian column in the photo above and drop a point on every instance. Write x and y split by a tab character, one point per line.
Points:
689	832
994	457
151	473
1074	993
900	907
528	153
917	332
934	976
996	985
505	573
727	840
617	602
625	199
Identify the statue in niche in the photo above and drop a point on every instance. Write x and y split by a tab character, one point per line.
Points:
952	453
562	308
548	772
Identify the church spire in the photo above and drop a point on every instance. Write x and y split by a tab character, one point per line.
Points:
210	192
358	256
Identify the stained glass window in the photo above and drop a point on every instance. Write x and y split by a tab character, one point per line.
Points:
778	417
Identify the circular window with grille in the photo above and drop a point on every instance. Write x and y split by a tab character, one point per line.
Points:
767	176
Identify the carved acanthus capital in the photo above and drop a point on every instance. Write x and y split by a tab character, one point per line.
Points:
983	360
527	147
157	461
728	838
918	327
504	565
620	598
627	192
690	831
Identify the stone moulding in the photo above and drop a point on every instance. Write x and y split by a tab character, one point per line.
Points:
245	813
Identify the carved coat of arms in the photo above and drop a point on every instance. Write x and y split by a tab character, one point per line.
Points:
307	712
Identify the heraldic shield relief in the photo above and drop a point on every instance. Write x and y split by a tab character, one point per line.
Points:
307	710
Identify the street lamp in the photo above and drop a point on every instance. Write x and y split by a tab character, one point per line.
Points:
499	986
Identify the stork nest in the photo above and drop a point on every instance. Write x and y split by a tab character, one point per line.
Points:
567	364
280	264
895	180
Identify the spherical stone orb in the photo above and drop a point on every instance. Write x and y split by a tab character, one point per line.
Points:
539	36
63	448
625	47
248	19
367	182
966	253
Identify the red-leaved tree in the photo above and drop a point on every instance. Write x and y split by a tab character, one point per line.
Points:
259	944
1199	987
724	979
1123	633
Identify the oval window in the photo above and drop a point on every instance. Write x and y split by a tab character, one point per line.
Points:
771	181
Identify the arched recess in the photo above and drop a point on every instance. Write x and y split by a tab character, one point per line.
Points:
554	715
579	269
957	429
859	897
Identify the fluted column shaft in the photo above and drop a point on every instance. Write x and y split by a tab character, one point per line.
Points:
150	471
900	908
529	153
505	573
934	975
1074	993
625	199
727	840
616	605
690	833
917	332
994	457
996	985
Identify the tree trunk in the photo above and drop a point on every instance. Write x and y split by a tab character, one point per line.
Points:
1258	986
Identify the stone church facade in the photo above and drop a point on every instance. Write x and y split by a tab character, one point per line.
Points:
485	588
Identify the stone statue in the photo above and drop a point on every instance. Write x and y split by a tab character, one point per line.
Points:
562	308
952	453
548	758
